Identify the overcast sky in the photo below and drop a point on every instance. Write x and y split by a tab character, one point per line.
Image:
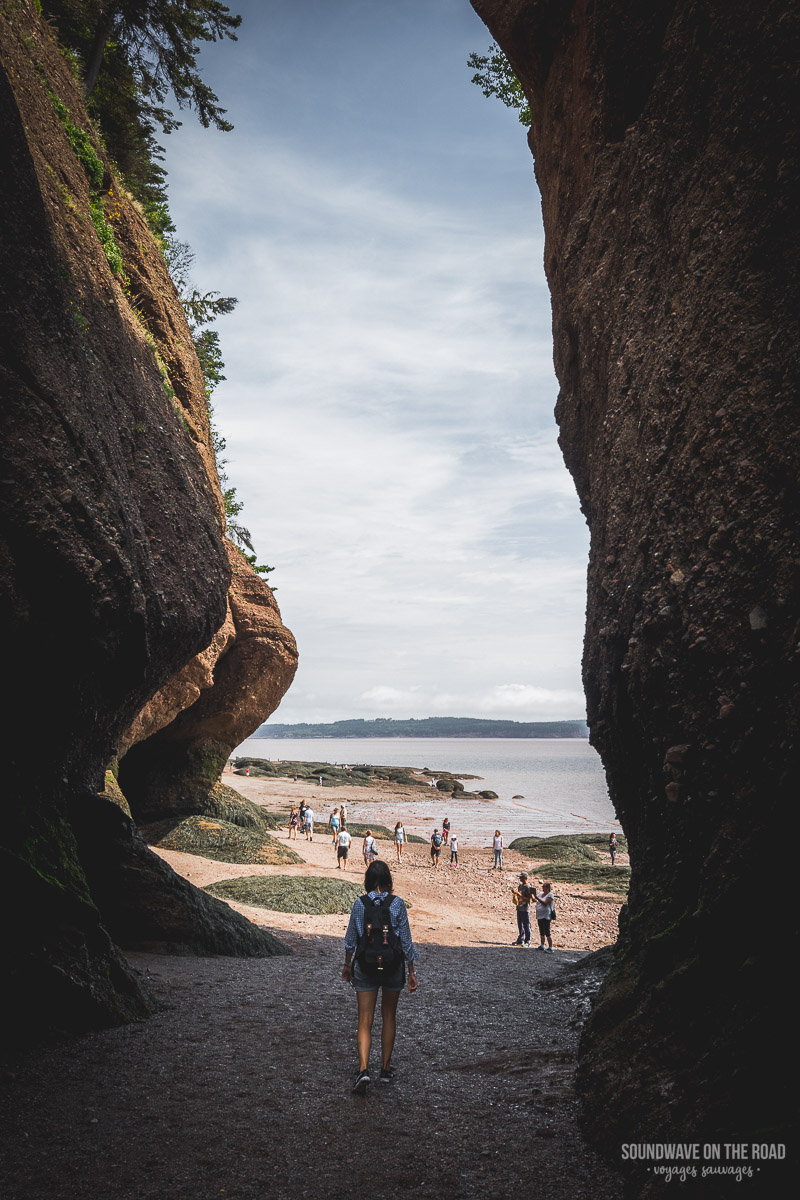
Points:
389	400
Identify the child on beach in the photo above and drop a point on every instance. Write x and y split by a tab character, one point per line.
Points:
399	840
294	821
453	849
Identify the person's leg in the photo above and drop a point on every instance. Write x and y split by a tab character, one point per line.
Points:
526	927
541	925
520	934
366	1015
388	1025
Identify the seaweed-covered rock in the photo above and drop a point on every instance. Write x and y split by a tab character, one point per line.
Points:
561	848
289	893
145	904
219	840
487	794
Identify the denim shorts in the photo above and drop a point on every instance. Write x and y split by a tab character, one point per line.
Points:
393	981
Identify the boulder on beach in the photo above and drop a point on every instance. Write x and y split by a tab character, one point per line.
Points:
487	795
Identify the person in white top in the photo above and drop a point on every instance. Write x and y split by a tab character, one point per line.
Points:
497	846
309	824
343	841
545	906
399	840
370	848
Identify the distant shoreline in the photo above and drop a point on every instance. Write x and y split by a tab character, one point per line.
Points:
428	727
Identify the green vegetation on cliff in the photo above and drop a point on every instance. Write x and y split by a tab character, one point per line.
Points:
130	56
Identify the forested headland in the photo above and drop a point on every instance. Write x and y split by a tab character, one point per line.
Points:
429	727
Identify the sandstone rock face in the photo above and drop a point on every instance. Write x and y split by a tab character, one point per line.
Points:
174	770
665	150
115	569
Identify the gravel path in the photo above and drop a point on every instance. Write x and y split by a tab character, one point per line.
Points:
240	1088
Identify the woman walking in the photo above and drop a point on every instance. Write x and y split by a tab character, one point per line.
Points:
294	821
369	849
333	825
378	929
497	846
399	840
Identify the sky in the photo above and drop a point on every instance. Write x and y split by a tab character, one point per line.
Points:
388	406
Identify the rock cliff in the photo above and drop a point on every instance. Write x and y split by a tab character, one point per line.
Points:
119	604
665	151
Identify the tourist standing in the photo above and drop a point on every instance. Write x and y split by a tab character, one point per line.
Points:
522	898
294	821
612	847
497	846
343	815
445	830
378	925
545	912
436	847
309	826
399	840
453	850
342	849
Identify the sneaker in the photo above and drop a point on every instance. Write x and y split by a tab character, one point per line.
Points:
540	947
516	943
527	945
549	950
386	1075
361	1083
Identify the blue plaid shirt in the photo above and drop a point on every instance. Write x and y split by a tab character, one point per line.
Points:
398	917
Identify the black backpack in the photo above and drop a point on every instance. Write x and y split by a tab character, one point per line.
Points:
378	948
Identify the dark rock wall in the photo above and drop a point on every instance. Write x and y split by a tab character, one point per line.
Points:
665	150
115	570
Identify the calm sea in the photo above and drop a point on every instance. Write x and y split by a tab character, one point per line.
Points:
560	781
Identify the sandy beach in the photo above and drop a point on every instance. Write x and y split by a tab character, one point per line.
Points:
466	906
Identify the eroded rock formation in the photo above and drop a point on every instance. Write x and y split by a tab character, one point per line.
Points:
116	572
665	150
174	768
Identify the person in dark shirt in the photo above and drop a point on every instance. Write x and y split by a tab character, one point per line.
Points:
522	898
